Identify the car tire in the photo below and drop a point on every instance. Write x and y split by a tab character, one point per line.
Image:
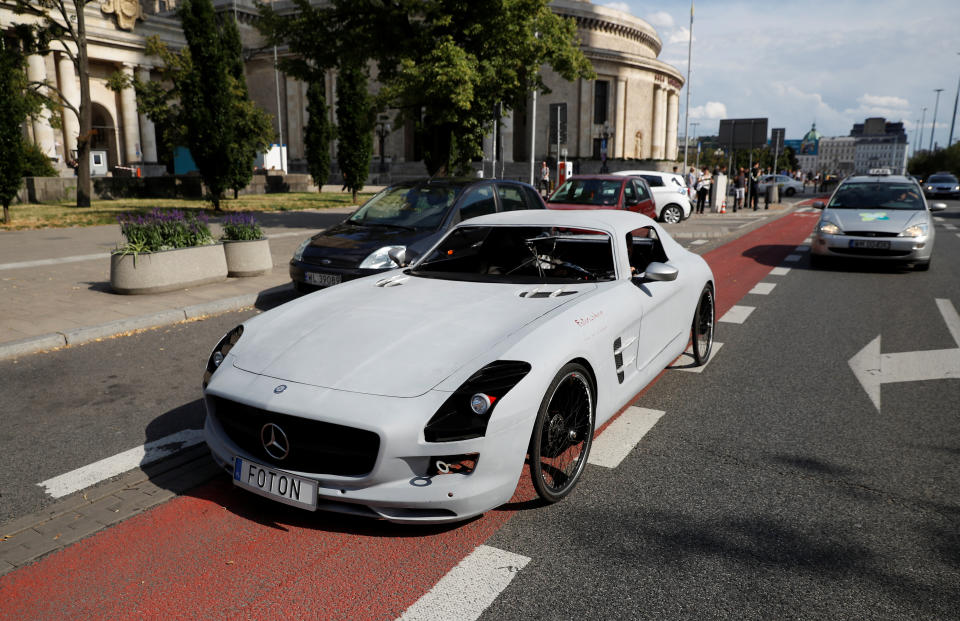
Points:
671	214
701	332
922	267
789	192
563	433
817	262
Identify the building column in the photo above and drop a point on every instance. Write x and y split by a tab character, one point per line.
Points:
673	106
71	90
42	131
621	120
659	122
130	120
148	132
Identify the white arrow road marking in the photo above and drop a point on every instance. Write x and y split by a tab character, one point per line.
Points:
613	445
84	477
469	588
874	369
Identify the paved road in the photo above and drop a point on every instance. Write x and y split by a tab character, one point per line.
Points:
771	486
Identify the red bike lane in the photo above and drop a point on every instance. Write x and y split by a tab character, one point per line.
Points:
215	552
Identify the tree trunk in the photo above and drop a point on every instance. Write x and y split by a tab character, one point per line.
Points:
6	212
84	185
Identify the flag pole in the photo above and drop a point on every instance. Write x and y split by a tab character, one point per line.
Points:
686	113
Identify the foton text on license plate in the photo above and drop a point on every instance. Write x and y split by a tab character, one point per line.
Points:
276	484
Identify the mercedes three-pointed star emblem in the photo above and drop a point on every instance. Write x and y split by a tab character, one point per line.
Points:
275	441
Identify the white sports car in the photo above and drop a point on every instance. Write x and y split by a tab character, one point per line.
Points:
417	395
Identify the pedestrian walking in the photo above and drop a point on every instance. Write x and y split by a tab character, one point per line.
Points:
691	179
703	189
739	189
754	181
544	183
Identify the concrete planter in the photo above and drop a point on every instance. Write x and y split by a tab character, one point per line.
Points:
167	270
248	258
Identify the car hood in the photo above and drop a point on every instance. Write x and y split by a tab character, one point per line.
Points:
880	220
399	340
351	243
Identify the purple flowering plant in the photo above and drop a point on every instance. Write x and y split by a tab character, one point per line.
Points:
240	227
163	229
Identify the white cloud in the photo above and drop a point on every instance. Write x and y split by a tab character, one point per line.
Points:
883	101
710	110
679	35
890	107
660	19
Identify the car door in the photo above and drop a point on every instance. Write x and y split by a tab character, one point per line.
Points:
477	201
662	308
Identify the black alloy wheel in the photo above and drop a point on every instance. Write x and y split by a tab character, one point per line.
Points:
703	324
562	434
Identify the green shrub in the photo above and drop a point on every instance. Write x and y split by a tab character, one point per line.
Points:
241	227
36	163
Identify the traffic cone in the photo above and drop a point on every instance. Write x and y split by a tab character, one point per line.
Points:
723	206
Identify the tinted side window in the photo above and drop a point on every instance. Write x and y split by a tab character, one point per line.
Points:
642	192
511	199
653	181
478	202
630	193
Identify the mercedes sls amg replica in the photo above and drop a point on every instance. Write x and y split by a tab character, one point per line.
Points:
419	394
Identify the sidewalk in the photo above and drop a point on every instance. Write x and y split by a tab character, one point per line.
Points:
55	283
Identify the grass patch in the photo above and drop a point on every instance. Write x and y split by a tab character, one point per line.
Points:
57	215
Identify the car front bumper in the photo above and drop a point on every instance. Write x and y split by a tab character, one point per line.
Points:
902	249
316	276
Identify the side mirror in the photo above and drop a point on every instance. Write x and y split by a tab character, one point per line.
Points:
398	256
819	204
660	272
938	206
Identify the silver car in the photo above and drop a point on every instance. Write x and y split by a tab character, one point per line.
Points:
879	217
942	184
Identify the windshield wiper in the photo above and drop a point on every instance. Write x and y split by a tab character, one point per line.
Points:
387	225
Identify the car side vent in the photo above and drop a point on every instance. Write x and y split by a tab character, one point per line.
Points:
618	348
537	293
393	281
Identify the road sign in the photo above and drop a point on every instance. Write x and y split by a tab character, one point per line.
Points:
743	133
777	135
874	369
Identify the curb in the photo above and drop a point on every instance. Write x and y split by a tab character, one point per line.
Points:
79	336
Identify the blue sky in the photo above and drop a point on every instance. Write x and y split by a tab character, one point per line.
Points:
830	62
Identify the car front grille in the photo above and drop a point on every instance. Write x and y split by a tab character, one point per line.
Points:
871	252
870	234
330	262
314	446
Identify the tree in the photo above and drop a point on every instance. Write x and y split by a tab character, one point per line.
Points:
16	107
356	117
448	63
318	134
61	26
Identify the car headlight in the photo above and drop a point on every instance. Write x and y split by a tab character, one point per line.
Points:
829	228
220	352
929	187
466	413
380	258
298	255
918	229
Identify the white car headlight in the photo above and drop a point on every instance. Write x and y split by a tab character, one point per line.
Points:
918	229
380	259
829	228
929	187
298	255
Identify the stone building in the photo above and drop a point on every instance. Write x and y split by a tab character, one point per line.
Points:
631	108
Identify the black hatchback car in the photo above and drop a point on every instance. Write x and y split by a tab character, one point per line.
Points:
399	224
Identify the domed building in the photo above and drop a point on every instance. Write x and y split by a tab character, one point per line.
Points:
630	111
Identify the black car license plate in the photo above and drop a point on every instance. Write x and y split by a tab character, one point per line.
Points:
873	244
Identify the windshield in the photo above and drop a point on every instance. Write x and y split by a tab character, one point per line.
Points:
520	254
942	179
873	195
408	206
588	192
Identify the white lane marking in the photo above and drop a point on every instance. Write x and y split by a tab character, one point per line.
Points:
698	242
737	314
762	288
950	317
950	227
469	588
793	258
780	271
939	219
801	248
693	369
613	445
41	262
82	478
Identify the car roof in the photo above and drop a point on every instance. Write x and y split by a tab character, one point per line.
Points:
453	181
625	173
616	221
610	177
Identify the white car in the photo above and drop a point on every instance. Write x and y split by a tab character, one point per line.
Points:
788	186
669	193
416	395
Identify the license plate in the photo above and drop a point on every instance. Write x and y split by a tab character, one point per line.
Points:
322	280
275	484
875	244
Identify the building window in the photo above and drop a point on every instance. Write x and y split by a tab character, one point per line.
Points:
601	101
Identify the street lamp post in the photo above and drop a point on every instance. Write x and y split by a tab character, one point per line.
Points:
383	128
933	125
953	117
923	118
